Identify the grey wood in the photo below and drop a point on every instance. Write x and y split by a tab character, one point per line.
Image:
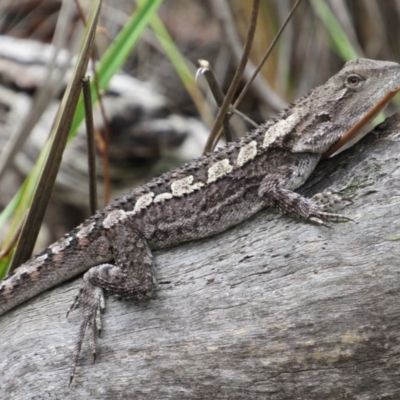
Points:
273	309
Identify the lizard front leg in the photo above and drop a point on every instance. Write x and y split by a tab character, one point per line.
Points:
131	277
295	205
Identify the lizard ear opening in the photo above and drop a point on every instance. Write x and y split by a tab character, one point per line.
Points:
354	81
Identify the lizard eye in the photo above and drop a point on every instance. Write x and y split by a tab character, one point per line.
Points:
353	81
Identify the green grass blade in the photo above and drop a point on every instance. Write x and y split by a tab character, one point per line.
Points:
117	54
341	43
186	76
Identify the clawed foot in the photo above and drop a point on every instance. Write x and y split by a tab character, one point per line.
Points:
91	299
321	216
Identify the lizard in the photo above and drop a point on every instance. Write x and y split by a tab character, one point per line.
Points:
113	248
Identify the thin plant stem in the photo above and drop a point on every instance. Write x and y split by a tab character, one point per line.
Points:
237	77
87	100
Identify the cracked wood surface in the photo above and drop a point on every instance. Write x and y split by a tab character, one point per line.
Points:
274	308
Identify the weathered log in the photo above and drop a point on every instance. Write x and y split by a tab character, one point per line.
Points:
273	309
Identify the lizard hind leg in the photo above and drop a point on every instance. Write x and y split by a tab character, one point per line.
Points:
131	277
91	299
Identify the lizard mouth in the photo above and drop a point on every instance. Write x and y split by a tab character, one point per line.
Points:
363	121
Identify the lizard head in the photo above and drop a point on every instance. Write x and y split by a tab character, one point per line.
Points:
346	104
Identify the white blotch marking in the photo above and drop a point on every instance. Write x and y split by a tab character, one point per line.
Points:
38	261
247	153
162	197
61	244
184	186
281	128
114	218
85	230
143	202
218	170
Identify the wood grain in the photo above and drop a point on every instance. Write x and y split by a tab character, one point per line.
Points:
273	309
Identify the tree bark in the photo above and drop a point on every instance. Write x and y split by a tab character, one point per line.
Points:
273	309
